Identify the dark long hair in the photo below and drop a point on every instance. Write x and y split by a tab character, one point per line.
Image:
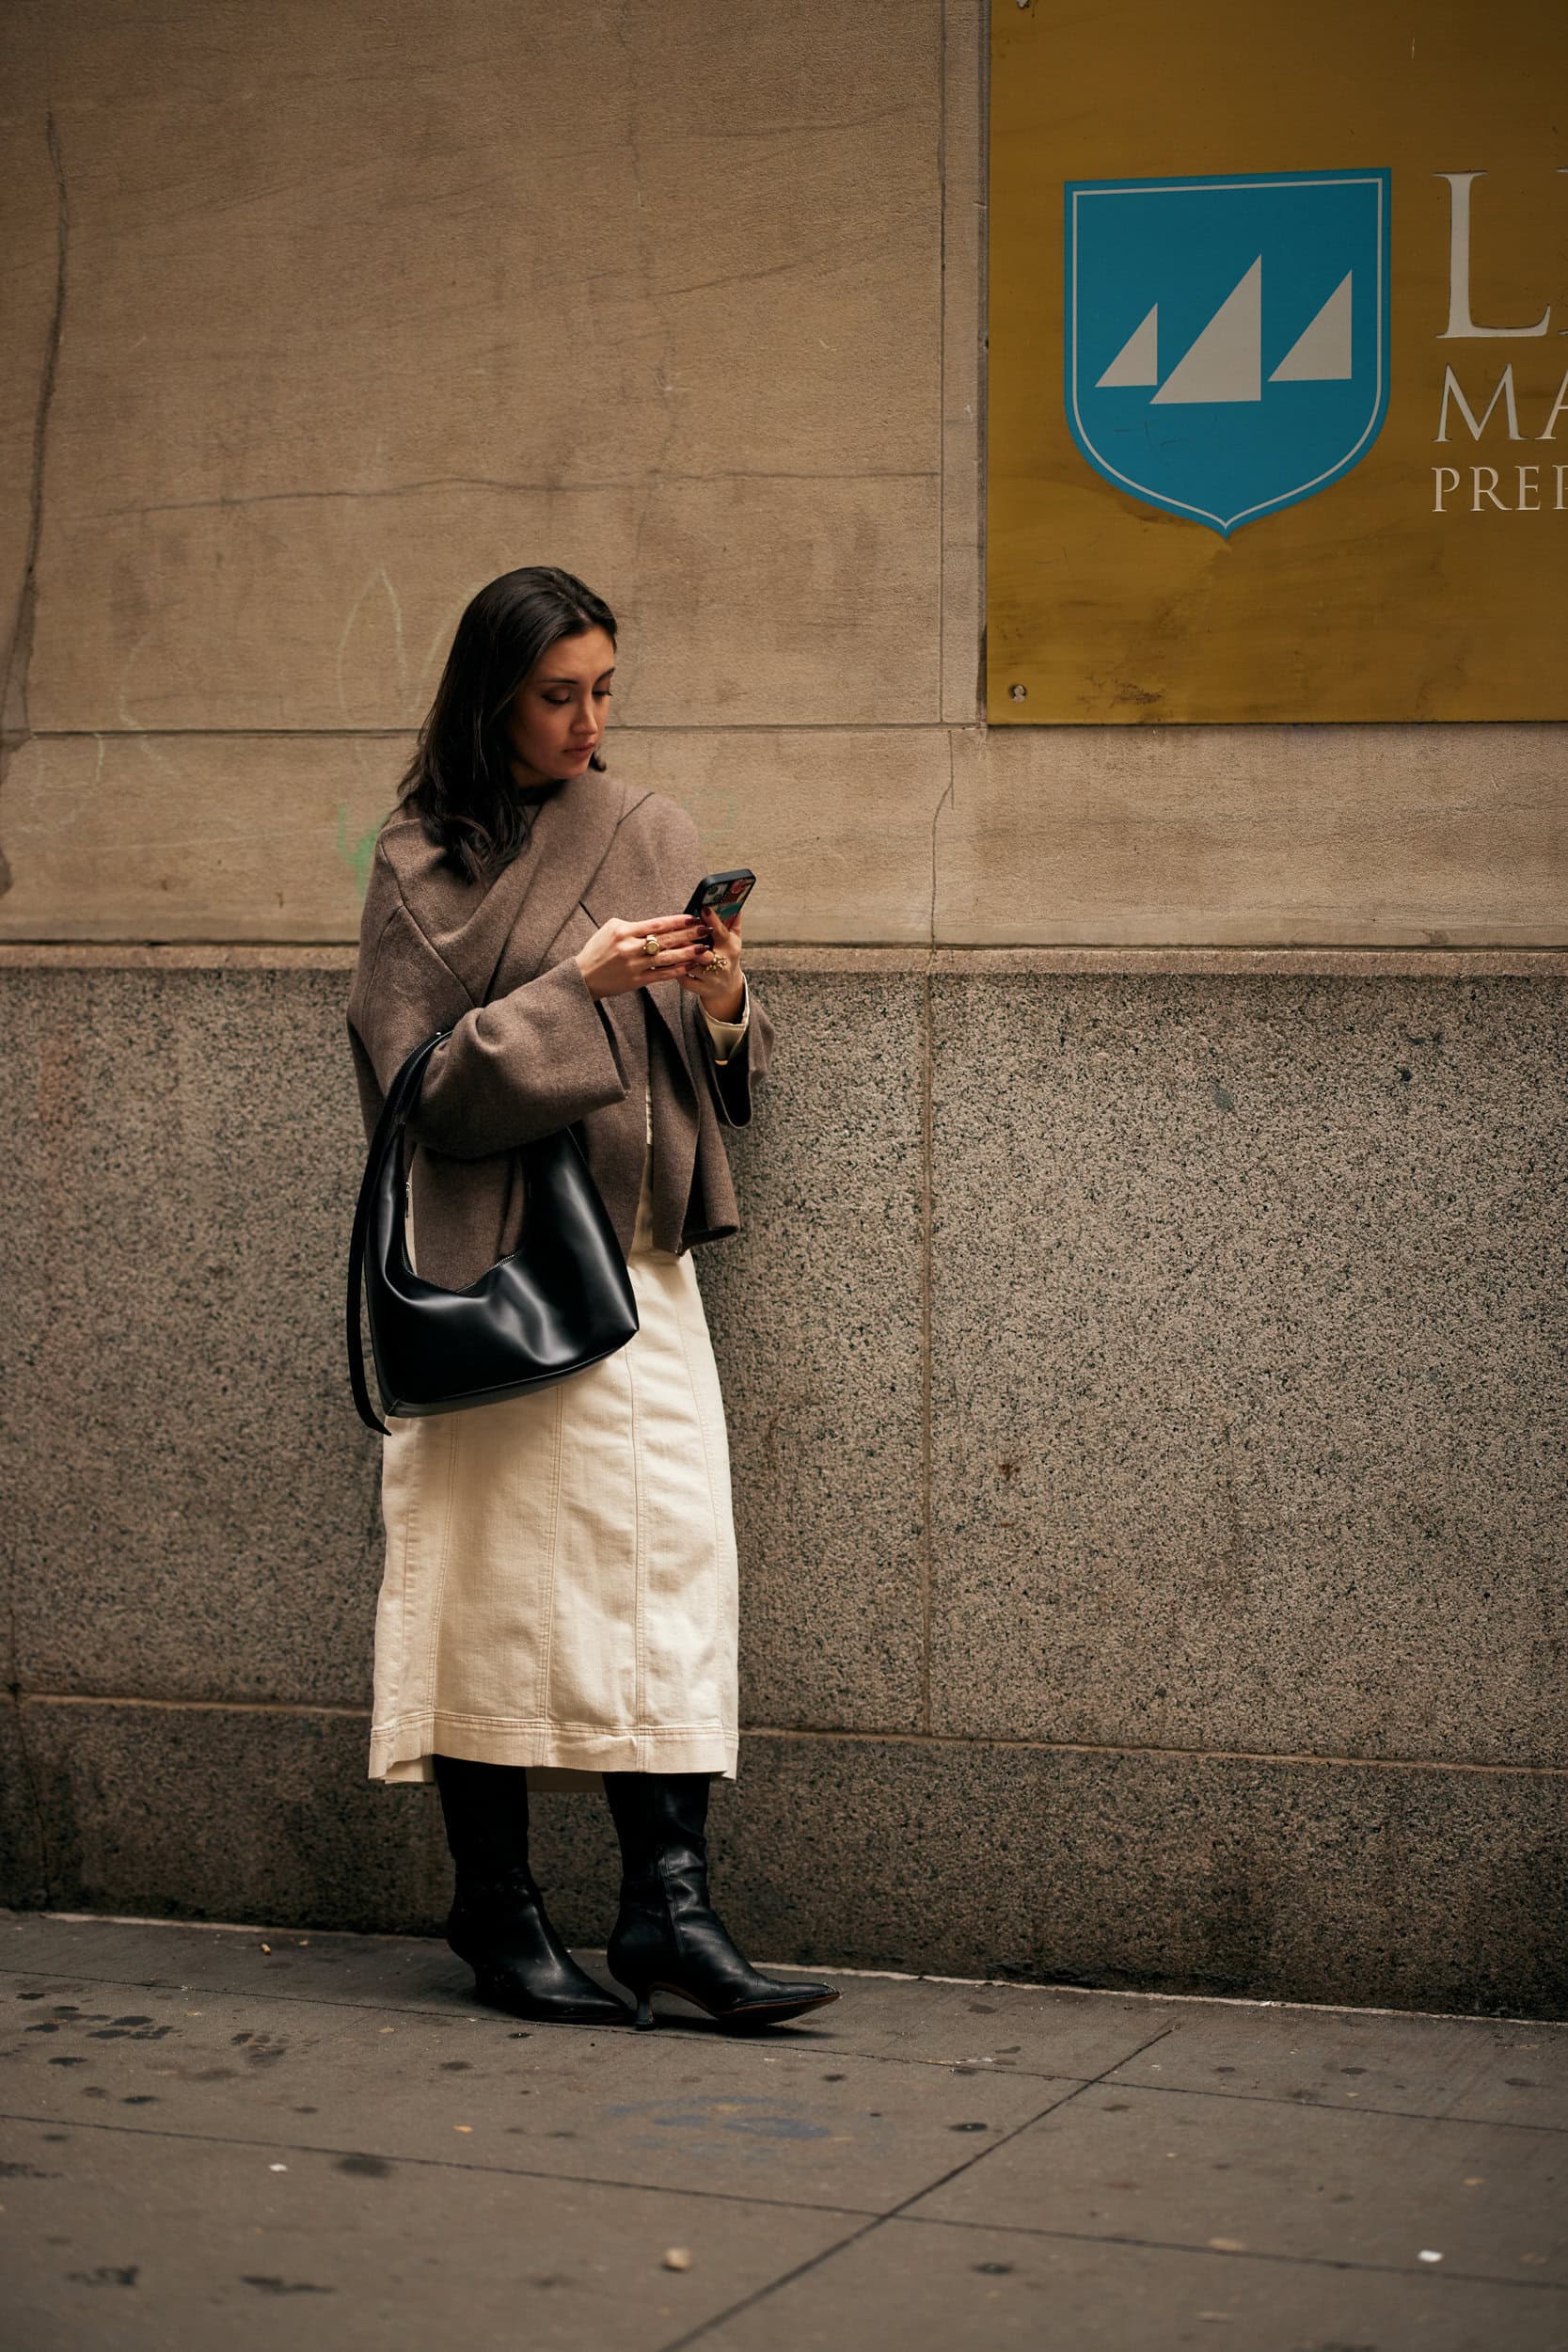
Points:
460	777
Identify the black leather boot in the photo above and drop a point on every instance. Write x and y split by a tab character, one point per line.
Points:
668	1936
498	1922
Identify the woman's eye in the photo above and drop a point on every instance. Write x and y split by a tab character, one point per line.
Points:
602	693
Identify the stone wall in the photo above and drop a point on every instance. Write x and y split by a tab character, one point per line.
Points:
1143	1355
1146	1410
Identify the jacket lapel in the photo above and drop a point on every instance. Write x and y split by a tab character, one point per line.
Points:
509	933
581	853
572	834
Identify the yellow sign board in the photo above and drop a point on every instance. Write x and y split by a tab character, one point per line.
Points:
1278	371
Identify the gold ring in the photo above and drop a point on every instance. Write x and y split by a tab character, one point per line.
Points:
717	963
650	947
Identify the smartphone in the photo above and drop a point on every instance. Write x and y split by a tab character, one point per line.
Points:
724	894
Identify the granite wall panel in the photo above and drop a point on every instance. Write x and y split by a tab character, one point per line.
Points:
816	1311
1228	1656
230	1813
1256	1877
193	1507
1248	1329
23	1873
1247	1877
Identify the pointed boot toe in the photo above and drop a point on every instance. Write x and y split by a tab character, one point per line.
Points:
774	2002
668	1938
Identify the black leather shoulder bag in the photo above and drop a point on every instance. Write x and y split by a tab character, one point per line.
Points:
561	1302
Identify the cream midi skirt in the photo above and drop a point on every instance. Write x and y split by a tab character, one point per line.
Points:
560	1585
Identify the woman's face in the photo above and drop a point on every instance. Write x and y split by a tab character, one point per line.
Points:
560	712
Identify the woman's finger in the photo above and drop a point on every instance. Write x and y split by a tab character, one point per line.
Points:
673	961
616	957
726	940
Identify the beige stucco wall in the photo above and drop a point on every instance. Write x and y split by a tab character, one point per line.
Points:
323	316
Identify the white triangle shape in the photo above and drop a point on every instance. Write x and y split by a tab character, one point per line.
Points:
1320	353
1138	361
1227	361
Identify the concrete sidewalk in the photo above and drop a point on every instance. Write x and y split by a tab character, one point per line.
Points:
226	2137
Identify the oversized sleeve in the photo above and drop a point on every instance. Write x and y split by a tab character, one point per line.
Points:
725	1035
741	1051
513	1070
732	1068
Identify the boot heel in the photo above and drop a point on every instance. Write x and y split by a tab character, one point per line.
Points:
644	2012
667	1932
498	1923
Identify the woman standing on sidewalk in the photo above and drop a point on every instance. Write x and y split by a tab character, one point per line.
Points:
559	1596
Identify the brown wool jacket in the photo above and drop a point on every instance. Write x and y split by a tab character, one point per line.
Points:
530	1050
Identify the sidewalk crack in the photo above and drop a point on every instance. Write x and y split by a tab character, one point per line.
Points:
897	2213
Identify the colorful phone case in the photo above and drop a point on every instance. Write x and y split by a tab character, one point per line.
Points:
725	894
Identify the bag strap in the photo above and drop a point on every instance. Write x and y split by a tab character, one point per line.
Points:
400	1097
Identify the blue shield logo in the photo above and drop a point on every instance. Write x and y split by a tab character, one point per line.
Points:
1228	339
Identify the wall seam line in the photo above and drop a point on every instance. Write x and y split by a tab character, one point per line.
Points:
405	732
890	1738
1084	959
1129	1748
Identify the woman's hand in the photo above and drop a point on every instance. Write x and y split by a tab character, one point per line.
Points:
722	993
616	959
